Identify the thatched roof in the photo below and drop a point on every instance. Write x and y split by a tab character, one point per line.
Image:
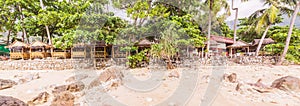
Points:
265	41
239	44
80	45
212	42
221	39
100	43
40	44
144	42
18	44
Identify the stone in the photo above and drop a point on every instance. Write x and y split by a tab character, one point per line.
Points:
63	99
27	78
107	75
76	87
4	84
260	87
77	78
287	83
230	78
59	89
238	87
40	99
174	74
259	84
10	101
73	87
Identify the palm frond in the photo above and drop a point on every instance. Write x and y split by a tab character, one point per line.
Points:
289	2
286	10
273	13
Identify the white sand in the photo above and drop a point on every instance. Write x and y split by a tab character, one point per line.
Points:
226	94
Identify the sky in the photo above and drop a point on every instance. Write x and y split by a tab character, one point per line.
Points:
245	8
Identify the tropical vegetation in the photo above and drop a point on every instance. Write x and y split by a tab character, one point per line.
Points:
62	23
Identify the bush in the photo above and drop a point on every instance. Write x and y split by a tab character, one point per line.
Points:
138	59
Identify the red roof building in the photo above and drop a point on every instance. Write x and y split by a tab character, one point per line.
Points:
221	39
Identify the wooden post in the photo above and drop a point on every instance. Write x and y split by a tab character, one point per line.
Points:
94	53
202	52
104	52
230	52
248	50
72	53
43	51
30	53
22	54
113	52
84	52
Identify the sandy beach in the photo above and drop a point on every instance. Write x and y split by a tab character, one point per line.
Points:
225	94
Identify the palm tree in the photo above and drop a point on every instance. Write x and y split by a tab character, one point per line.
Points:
214	7
265	18
292	22
235	19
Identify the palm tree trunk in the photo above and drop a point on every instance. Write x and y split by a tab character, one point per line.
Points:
235	22
46	26
23	29
8	35
262	40
287	42
48	34
209	28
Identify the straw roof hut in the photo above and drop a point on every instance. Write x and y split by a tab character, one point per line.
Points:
266	41
39	44
19	50
221	39
18	44
144	43
239	44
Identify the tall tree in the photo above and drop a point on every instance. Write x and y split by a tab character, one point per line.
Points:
235	21
46	26
265	18
292	22
214	7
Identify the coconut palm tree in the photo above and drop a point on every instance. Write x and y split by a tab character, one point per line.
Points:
292	22
214	7
265	18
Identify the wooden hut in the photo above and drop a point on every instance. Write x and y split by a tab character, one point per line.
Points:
143	44
81	51
100	52
19	50
239	45
60	53
201	50
39	49
101	49
255	43
117	51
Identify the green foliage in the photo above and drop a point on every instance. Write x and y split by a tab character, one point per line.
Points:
138	59
169	43
226	31
279	34
265	17
247	31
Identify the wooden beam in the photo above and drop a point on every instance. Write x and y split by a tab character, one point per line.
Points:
230	52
